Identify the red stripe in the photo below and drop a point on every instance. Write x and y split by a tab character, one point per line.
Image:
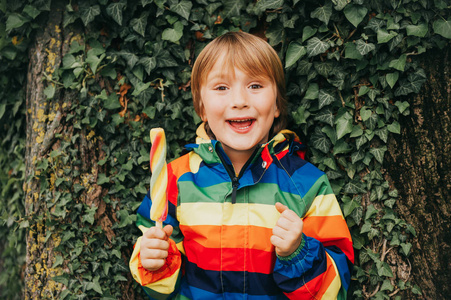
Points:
308	290
154	147
281	154
230	259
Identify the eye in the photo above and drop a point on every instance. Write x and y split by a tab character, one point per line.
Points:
255	86
221	88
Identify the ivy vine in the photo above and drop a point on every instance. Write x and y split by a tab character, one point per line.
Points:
350	66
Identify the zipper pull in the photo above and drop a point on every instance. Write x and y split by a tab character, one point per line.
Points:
235	185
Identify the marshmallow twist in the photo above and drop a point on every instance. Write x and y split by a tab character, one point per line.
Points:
159	178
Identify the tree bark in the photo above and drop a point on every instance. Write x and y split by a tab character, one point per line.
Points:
419	164
47	129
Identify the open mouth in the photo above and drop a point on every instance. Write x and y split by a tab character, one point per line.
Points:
241	124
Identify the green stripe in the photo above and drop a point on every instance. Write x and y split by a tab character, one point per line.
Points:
320	187
141	220
193	193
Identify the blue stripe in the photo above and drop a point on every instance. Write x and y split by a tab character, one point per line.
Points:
230	281
144	210
341	262
196	293
308	264
208	175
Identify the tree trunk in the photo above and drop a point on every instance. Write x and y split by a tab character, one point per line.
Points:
419	164
54	171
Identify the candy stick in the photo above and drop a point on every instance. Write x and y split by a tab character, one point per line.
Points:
159	178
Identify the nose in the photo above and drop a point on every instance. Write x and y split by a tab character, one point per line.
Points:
239	98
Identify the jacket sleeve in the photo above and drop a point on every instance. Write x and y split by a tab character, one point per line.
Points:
320	267
160	284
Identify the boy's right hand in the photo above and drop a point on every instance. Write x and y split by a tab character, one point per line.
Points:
154	247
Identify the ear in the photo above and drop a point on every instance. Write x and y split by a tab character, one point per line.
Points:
277	112
203	116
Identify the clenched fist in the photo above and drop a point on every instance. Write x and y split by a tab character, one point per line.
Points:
287	234
154	247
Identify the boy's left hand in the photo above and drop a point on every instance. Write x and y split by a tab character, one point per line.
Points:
287	234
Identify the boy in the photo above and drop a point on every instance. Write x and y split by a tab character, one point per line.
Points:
251	218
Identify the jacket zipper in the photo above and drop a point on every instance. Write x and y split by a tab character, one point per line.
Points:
236	179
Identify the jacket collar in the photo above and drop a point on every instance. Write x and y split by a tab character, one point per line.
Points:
283	143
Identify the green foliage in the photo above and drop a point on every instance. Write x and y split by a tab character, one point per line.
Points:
349	67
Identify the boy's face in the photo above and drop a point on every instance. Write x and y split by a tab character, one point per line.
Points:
240	109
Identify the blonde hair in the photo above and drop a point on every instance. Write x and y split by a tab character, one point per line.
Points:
250	54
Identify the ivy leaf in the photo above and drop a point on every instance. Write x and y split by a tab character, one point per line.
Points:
308	32
383	36
326	116
166	60
378	153
442	27
88	14
405	248
130	58
183	8
364	48
315	46
49	91
32	11
139	24
399	64
173	34
355	14
325	98
114	10
15	21
149	63
112	102
352	52
394	127
312	92
349	207
341	147
275	34
294	52
365	113
344	125
419	30
94	61
323	13
2	110
340	4
320	141
145	2
263	5
232	8
383	269
352	189
392	78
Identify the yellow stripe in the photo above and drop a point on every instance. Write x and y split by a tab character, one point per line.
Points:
192	214
324	205
165	285
335	285
194	162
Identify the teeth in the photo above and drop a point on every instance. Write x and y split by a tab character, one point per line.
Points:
240	120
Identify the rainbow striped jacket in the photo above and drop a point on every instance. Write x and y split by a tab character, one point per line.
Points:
222	223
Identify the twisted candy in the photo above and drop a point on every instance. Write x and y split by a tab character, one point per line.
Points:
159	178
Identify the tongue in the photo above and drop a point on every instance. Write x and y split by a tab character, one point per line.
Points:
241	124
